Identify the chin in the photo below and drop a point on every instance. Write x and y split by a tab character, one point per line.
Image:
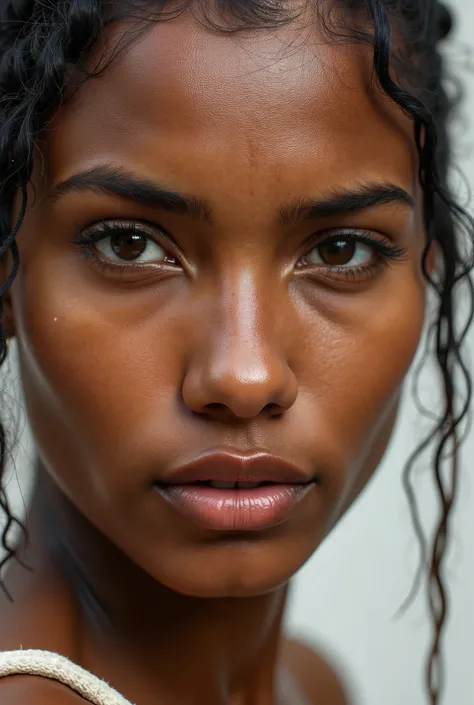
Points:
233	567
226	586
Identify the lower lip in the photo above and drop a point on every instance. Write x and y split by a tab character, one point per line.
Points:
237	509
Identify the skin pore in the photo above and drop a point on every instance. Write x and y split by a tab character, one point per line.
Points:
236	335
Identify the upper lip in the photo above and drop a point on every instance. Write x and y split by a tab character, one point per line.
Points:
225	466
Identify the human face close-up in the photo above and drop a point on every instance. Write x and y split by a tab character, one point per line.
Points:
260	297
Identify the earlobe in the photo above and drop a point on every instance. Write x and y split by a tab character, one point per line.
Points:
7	316
6	309
431	258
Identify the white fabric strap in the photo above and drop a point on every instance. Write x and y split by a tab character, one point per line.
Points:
46	664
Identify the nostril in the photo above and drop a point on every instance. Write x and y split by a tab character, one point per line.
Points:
215	407
217	411
220	410
274	409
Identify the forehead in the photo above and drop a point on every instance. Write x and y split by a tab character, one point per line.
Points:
186	102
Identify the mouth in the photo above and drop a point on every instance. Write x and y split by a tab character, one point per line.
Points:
222	485
224	491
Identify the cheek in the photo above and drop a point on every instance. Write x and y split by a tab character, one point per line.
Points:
90	365
375	346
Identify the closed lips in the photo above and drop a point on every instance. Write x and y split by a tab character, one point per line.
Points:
230	470
220	485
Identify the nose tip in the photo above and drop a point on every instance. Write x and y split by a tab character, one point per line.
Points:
242	392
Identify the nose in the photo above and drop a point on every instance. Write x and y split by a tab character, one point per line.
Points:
239	369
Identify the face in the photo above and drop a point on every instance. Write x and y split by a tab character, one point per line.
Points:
274	306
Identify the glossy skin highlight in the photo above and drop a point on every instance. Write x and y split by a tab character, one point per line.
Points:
239	339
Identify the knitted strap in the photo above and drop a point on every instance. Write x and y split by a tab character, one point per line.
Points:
47	664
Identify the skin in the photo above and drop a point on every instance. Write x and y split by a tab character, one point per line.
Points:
234	345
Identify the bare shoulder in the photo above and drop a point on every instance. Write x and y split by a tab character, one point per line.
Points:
26	690
317	678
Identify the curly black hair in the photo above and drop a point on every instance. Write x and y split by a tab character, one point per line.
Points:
45	50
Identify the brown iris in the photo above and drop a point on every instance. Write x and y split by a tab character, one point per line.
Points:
337	252
128	245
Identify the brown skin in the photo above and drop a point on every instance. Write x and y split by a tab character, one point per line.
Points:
126	374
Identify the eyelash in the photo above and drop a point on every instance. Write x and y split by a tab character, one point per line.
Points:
100	231
385	252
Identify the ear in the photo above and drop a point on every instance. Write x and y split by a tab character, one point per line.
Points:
6	300
432	257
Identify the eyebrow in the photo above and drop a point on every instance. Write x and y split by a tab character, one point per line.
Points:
347	201
113	180
105	179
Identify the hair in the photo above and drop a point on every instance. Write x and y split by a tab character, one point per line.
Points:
45	45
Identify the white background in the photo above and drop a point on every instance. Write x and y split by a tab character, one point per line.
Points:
345	598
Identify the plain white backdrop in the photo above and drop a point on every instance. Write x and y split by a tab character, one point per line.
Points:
346	597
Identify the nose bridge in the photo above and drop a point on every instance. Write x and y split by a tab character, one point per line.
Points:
242	364
245	316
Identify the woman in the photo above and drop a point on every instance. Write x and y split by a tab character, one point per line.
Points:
228	218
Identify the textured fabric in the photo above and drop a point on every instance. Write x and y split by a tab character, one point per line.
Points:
47	664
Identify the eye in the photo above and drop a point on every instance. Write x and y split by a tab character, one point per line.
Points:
120	243
131	246
341	251
353	255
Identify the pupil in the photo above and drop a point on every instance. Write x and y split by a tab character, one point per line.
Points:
337	252
129	245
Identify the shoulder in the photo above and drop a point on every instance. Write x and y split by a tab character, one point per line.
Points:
317	678
26	690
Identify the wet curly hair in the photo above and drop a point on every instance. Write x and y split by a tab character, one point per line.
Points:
45	49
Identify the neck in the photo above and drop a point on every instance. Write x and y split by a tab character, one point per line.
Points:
208	650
